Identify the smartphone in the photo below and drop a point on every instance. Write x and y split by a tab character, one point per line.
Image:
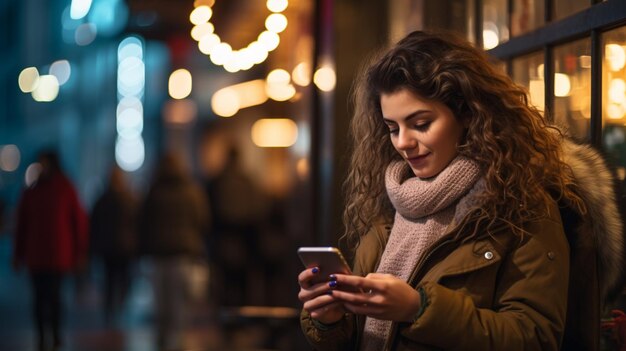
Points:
328	259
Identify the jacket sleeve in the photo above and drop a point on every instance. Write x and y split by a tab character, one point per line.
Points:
343	334
338	336
529	306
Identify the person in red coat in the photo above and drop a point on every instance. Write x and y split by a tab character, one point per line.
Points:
51	239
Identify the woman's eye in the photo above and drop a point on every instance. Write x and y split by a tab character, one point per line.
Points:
393	131
422	126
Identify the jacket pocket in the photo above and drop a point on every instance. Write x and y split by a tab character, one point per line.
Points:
471	269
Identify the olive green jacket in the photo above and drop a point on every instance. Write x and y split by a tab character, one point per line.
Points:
542	291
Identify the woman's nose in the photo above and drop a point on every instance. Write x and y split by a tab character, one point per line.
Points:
406	141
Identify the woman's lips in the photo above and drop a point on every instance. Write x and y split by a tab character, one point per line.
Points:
417	160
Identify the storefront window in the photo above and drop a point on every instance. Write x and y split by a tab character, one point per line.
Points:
572	87
495	26
527	15
470	18
614	96
528	71
564	8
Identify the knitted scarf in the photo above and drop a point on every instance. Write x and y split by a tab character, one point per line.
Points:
424	209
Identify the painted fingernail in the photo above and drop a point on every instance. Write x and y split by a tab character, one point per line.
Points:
315	270
332	284
332	277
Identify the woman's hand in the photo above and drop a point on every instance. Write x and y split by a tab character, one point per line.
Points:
317	300
381	296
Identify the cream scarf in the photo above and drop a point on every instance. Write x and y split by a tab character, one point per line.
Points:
424	209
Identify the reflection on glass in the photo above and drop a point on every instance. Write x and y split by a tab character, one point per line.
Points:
495	29
564	8
528	71
527	15
614	96
572	87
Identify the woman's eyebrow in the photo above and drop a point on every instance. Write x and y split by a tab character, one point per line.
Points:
408	117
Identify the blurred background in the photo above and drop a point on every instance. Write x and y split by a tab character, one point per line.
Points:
229	119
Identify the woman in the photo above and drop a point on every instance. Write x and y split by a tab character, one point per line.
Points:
495	216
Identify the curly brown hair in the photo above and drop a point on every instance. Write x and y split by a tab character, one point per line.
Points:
518	151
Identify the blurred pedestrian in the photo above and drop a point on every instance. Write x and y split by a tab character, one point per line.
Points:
51	240
113	240
172	224
239	209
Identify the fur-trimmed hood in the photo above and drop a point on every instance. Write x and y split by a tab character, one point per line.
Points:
597	188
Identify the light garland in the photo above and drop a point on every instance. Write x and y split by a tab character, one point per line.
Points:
221	53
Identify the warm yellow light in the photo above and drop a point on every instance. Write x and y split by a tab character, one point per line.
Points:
225	102
562	85
585	61
277	5
239	60
246	58
250	93
280	92
278	85
180	84
221	53
269	40
199	31
615	56
228	101
28	79
490	39
276	22
325	78
540	71
200	14
617	91
301	74
278	76
232	66
47	90
208	42
586	107
537	97
302	168
615	111
257	51
208	3
274	132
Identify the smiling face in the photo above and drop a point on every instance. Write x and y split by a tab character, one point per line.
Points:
424	132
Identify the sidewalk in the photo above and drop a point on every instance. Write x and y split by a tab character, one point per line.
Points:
85	330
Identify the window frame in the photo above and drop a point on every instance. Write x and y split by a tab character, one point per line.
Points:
590	23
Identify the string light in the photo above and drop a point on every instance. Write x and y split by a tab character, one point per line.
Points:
221	53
